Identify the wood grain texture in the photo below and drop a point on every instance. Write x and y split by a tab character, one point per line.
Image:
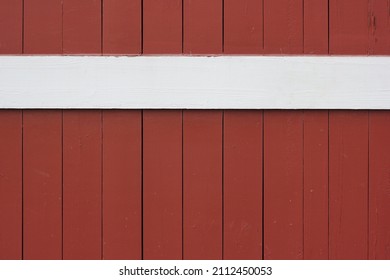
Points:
82	27
122	27
162	26
202	184
379	31
283	26
348	185
162	184
315	166
42	184
316	22
243	26
82	185
11	184
283	185
203	27
11	26
379	185
243	180
122	176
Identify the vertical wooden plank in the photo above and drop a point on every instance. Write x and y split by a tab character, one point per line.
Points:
122	26
11	184
11	38
42	184
315	184
243	26
203	27
283	185
82	27
202	187
379	164
82	185
283	26
316	35
243	155
162	177
348	184
162	26
43	26
122	184
349	26
379	38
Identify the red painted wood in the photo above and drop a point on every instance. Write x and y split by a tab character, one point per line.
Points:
243	155
202	165
82	27
122	26
203	27
162	183
348	184
122	173
315	158
11	184
283	26
379	204
243	26
43	26
82	184
348	27
162	26
42	184
283	185
316	22
11	14
379	38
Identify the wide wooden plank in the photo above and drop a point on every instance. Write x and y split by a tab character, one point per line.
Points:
315	167
82	184
203	27
316	22
348	184
82	27
242	184
162	26
11	26
122	26
202	184
283	185
348	26
42	26
379	185
379	33
42	184
162	184
283	26
11	185
243	26
122	172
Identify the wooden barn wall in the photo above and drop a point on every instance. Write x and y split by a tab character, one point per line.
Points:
194	184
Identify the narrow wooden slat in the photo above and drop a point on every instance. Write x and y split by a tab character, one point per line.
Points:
316	21
82	185
283	26
11	26
243	176
43	26
42	184
379	185
283	185
122	26
202	184
11	184
122	184
162	26
162	184
203	27
348	184
315	158
82	27
243	26
379	38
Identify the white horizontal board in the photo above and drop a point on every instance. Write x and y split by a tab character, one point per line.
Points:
226	82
